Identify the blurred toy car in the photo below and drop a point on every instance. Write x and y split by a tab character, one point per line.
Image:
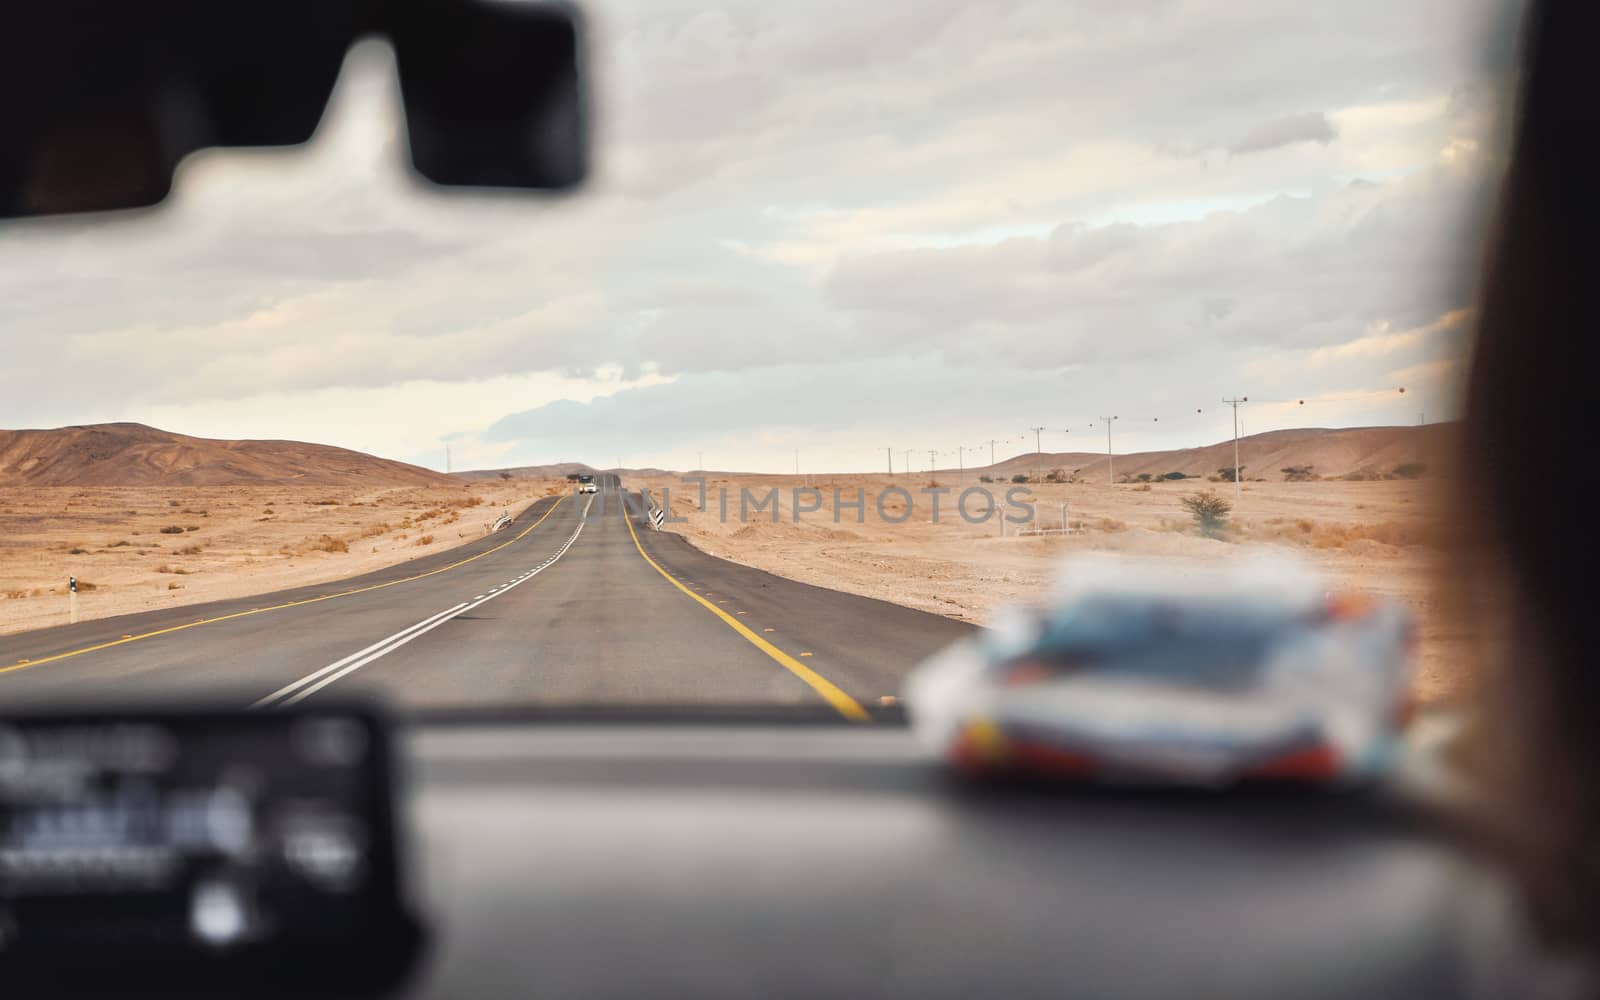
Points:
1176	673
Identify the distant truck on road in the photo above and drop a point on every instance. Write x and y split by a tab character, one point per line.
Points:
586	484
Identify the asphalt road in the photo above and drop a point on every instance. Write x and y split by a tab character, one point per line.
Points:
578	602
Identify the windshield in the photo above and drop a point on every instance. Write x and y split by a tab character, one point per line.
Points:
868	319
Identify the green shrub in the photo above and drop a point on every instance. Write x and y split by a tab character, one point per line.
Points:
1210	512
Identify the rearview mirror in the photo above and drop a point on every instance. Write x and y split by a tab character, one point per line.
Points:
103	100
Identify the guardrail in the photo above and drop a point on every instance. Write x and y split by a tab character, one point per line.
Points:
500	522
1065	529
654	512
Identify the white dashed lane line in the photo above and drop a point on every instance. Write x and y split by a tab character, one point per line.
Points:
315	681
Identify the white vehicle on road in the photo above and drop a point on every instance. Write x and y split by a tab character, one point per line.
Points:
586	484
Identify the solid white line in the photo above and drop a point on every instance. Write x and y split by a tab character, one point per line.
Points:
319	679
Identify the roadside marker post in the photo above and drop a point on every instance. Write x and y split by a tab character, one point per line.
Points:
72	600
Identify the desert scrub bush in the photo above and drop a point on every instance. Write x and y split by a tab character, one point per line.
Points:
173	503
169	568
16	593
1298	473
375	530
77	550
1409	470
172	529
425	540
1210	512
1020	477
985	479
324	503
328	543
1365	474
174	585
189	550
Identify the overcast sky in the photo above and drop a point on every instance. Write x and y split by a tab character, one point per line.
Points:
836	227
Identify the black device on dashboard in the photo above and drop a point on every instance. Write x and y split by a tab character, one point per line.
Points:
216	854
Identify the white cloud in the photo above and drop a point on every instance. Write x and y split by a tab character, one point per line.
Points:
1022	189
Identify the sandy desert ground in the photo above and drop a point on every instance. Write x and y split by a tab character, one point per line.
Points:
138	548
1383	537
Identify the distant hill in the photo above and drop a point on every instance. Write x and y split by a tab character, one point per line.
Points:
127	454
1329	452
556	470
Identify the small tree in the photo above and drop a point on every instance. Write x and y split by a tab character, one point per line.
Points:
505	475
1210	512
1020	477
1410	470
1298	474
1175	475
985	479
1230	474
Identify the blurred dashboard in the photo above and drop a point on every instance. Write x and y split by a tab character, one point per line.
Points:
710	861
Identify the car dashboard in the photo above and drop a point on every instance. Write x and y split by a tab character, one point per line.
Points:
703	860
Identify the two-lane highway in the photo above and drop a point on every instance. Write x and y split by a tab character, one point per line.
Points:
578	602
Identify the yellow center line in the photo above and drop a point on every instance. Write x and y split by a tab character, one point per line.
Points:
845	704
278	607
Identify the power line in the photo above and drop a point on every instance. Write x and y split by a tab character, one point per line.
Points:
1238	473
1110	471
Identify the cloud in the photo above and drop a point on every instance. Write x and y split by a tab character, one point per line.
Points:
852	194
1286	130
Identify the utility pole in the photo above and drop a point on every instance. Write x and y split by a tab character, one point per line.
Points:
890	452
1238	473
447	457
1110	470
931	454
991	453
1036	450
797	461
961	462
908	461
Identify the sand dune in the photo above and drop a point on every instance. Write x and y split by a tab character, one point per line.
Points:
129	454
